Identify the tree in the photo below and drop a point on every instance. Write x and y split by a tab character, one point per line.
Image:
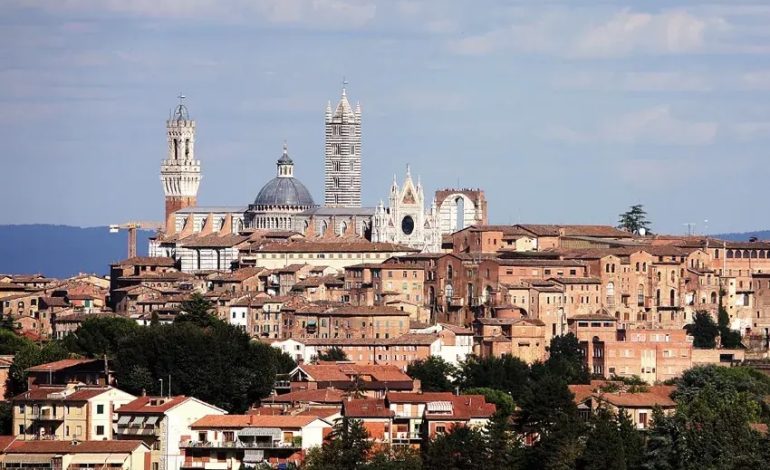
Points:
507	373
740	379
197	310
503	449
97	337
347	448
728	338
566	359
633	441
434	374
395	458
703	330
604	446
546	402
461	447
334	353
634	220
29	355
502	400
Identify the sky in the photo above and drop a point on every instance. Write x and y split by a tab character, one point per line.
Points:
561	111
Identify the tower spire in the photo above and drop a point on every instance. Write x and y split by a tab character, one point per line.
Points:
180	172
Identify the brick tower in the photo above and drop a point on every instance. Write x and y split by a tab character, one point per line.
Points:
342	185
180	171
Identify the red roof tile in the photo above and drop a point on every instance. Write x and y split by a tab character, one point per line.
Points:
252	421
152	405
68	447
366	408
61	365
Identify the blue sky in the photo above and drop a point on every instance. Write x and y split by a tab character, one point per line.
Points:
562	111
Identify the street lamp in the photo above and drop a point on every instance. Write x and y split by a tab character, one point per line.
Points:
161	386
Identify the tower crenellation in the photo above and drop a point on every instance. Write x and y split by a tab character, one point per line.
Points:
180	172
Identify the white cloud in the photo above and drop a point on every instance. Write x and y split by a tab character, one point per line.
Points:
318	13
672	32
657	81
656	125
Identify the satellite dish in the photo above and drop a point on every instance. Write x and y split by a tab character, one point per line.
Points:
642	231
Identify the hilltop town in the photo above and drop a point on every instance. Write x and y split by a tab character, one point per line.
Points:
281	328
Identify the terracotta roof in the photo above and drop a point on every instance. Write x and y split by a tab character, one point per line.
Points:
593	316
152	405
334	247
368	310
458	330
6	441
366	408
61	365
544	230
637	400
405	339
252	421
409	397
68	447
465	407
324	395
47	393
55	301
147	261
576	280
344	371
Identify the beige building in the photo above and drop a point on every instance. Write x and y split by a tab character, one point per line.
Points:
73	454
67	412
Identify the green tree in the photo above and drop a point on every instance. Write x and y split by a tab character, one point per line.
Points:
729	338
634	220
503	449
6	418
198	310
28	356
633	441
740	379
97	337
334	353
502	400
507	373
395	458
460	448
347	448
604	448
546	402
434	373
703	330
565	359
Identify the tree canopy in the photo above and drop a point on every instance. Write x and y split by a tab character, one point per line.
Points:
703	330
634	220
434	374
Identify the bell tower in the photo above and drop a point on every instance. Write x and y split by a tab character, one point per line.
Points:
180	172
342	154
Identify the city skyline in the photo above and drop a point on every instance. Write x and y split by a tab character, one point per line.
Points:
678	96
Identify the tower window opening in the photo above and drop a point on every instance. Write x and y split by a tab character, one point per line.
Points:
187	148
176	148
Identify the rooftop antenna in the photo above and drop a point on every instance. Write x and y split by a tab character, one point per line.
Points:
690	228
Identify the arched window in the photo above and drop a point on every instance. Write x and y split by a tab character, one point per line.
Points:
672	298
187	148
644	267
657	298
713	297
607	268
738	254
324	226
659	276
673	276
730	253
431	295
305	226
449	271
176	148
637	267
343	228
449	290
610	293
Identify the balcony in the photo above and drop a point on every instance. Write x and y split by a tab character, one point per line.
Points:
456	301
256	444
136	430
406	436
46	415
207	465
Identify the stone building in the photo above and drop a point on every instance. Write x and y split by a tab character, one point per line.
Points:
405	221
180	172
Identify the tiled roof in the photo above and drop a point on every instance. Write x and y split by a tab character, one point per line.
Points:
324	395
152	405
334	247
70	447
576	280
345	371
62	364
637	400
465	407
368	310
409	397
59	394
593	316
147	261
252	421
545	230
366	408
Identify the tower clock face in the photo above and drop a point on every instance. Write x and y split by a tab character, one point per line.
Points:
407	225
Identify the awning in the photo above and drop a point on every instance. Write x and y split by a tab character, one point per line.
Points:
138	420
275	433
27	458
152	420
440	406
124	420
97	459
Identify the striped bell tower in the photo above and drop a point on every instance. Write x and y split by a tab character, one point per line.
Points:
342	166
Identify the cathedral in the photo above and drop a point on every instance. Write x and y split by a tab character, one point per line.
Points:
285	204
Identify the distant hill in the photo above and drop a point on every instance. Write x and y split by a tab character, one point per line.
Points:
744	236
63	251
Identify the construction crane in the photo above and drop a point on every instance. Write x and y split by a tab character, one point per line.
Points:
132	227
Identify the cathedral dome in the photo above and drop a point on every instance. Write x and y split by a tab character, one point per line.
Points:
283	191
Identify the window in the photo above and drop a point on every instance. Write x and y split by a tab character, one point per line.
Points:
100	409
100	430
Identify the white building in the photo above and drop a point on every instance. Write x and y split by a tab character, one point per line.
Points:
161	422
405	221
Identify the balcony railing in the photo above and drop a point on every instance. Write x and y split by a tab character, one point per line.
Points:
46	415
295	444
136	430
406	436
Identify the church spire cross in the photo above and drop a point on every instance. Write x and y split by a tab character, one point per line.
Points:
344	85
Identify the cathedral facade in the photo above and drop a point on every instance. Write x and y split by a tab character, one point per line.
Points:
406	221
